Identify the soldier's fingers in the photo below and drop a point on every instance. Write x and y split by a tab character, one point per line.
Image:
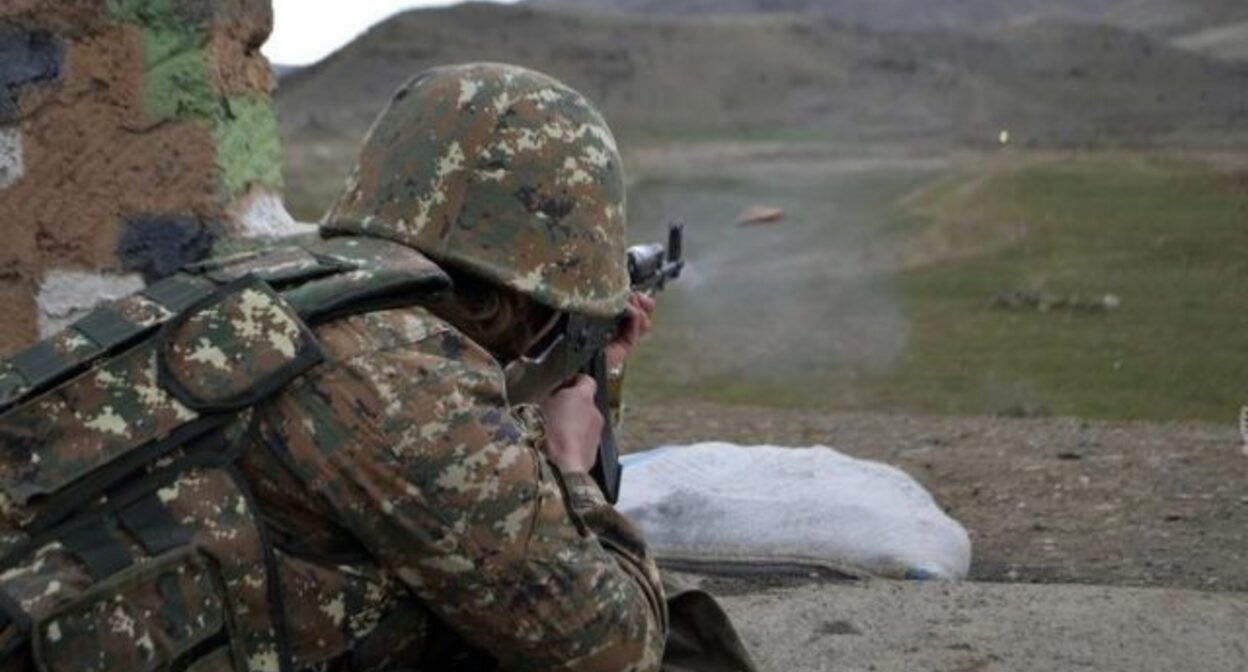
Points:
583	385
642	319
632	325
644	303
648	303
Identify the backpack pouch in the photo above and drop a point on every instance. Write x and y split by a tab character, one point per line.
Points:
144	619
175	573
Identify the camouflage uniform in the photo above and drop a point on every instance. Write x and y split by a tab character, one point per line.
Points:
402	444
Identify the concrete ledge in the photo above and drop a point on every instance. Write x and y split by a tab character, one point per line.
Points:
885	626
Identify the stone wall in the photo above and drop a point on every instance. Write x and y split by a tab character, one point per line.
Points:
133	135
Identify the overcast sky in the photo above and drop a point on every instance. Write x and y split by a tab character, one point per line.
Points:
305	32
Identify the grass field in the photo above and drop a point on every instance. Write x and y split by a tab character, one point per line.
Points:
877	291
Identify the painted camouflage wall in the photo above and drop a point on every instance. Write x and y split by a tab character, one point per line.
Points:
134	134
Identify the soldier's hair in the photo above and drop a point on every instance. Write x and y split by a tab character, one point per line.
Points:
497	318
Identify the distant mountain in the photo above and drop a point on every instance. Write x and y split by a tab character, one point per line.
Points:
1153	15
1052	82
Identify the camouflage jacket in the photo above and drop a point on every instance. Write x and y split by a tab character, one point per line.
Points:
397	468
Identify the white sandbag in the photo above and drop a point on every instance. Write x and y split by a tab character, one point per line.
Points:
723	505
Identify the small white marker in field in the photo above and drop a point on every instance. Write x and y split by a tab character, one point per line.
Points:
1243	429
1004	137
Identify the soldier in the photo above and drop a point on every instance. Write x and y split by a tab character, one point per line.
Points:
401	448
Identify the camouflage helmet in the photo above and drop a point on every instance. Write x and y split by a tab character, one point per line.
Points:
500	171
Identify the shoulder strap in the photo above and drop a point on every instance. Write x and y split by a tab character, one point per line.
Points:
383	275
322	280
106	330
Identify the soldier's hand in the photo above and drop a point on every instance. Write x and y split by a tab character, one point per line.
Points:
640	318
573	426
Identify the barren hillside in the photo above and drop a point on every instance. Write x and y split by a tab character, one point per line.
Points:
1052	82
1153	15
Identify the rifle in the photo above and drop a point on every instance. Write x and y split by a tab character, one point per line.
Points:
577	345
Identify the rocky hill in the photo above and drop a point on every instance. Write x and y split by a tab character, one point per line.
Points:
1155	15
1051	82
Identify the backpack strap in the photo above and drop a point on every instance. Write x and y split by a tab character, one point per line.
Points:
323	280
384	275
101	332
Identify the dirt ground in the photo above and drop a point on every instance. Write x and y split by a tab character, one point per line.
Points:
1052	501
890	626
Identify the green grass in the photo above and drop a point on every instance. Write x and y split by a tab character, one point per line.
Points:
1170	240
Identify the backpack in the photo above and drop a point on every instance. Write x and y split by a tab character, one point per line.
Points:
128	540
